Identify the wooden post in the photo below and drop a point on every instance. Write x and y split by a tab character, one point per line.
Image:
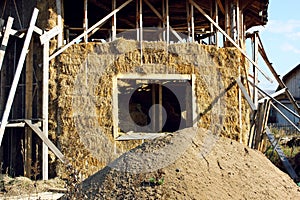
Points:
153	117
255	71
28	111
16	79
193	24
160	117
211	26
227	22
217	21
141	31
114	21
137	20
168	21
59	23
85	20
238	33
188	17
45	106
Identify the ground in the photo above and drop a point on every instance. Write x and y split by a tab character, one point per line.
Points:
189	164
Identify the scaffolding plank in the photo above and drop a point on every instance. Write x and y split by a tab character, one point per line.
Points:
15	82
7	32
139	136
281	155
246	95
46	140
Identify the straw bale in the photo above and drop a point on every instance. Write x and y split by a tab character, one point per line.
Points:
81	94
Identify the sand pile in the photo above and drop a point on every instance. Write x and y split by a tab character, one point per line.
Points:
210	167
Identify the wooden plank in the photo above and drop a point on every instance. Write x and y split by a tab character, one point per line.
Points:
115	107
28	111
246	95
91	30
46	140
230	39
278	102
45	100
139	136
155	76
85	19
153	117
281	155
193	23
4	43
273	95
285	117
114	21
277	78
50	34
59	23
255	72
167	21
221	6
15	82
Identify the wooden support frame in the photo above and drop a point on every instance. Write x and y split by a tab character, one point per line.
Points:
277	78
45	139
230	39
13	89
90	30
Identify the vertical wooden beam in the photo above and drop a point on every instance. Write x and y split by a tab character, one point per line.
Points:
115	107
153	117
28	111
141	31
240	110
137	20
114	21
255	71
45	106
192	22
85	20
217	21
16	79
160	113
188	17
227	22
211	27
164	19
59	23
238	29
6	35
168	21
194	103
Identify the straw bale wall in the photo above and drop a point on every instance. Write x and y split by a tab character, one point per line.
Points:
80	115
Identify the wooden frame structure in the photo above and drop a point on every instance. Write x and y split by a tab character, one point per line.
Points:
200	20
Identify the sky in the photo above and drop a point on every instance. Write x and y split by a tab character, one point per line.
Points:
281	39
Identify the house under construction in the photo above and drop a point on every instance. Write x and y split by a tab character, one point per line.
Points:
83	81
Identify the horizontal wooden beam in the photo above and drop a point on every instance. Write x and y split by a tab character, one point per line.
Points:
155	76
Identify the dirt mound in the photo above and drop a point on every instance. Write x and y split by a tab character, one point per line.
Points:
208	167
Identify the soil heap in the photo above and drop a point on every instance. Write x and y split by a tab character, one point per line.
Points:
190	164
